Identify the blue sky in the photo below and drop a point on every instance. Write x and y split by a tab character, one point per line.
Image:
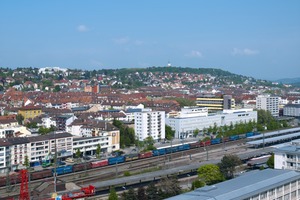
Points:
258	38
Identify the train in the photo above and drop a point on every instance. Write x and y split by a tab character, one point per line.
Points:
47	173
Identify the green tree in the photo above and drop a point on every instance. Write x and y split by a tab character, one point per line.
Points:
270	161
169	132
20	119
228	164
26	162
98	151
131	195
152	192
56	88
112	194
149	142
196	132
197	184
210	174
78	153
141	193
170	186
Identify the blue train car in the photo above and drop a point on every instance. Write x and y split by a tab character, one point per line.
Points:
249	134
115	160
63	170
234	137
171	149
215	141
159	152
183	147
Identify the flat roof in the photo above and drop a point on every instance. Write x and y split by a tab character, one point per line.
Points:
273	133
274	139
245	186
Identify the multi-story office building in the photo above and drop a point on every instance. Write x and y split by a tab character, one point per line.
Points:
292	110
149	123
191	119
288	157
268	184
216	103
269	103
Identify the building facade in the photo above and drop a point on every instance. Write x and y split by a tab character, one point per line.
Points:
30	111
192	119
288	157
269	103
216	103
149	123
292	110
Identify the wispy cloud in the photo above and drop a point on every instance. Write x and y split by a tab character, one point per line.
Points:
121	41
194	54
244	52
82	28
139	42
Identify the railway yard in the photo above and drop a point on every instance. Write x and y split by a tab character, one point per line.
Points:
141	170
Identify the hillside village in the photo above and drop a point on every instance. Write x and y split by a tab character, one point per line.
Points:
85	104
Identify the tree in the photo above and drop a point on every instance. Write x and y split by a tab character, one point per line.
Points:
270	161
112	194
20	119
98	150
169	132
228	164
197	184
56	88
170	186
152	192
196	132
131	195
210	174
26	162
149	142
78	153
141	193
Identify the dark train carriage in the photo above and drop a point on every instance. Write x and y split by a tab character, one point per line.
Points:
194	145
2	181
41	174
81	167
145	155
132	156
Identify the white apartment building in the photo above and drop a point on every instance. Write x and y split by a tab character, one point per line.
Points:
9	128
288	157
191	119
292	110
269	103
149	123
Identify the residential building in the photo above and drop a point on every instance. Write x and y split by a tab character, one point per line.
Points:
269	103
268	184
292	110
149	123
62	121
193	118
11	128
214	103
288	156
30	111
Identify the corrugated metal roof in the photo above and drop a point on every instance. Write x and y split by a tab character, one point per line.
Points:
242	187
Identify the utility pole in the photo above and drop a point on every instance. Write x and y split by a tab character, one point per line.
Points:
55	161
